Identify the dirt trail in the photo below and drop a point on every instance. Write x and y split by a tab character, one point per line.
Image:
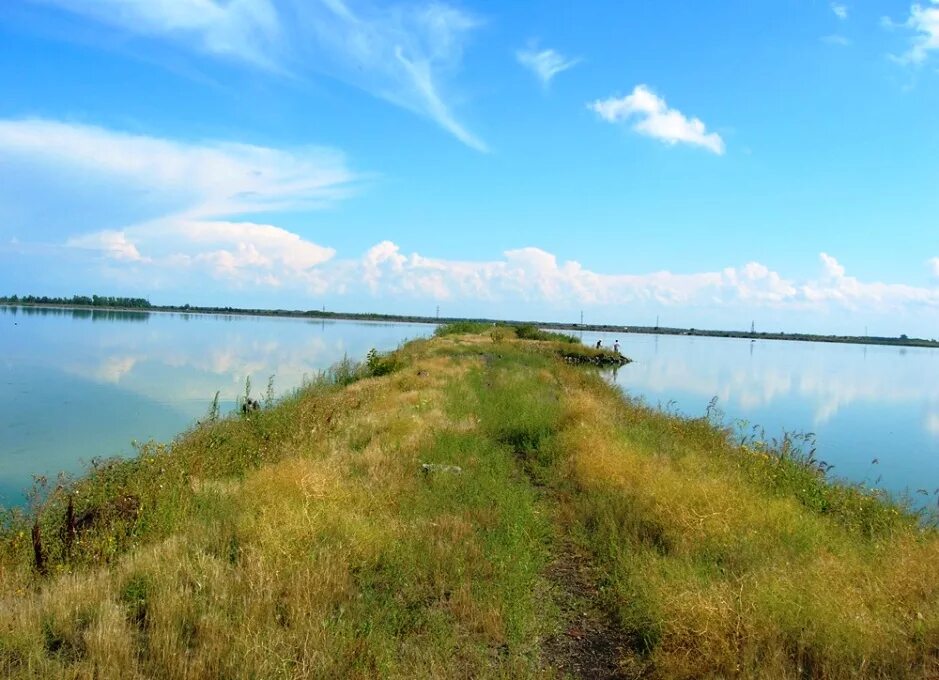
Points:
590	644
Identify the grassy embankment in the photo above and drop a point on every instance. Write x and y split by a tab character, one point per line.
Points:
582	534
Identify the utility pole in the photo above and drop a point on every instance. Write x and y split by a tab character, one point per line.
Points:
656	322
581	317
438	311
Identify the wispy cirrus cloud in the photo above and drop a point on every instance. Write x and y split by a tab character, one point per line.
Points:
244	30
924	24
837	39
840	10
652	117
179	198
545	64
405	54
207	179
933	263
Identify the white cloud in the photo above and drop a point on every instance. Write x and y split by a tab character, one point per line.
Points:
114	244
831	267
532	274
545	64
247	30
403	53
183	196
241	252
932	424
835	286
189	204
268	256
924	22
653	118
837	39
209	179
840	10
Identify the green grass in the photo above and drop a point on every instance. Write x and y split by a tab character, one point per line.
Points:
461	328
746	555
531	332
306	539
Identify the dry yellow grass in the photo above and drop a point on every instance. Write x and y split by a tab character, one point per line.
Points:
307	541
311	566
722	577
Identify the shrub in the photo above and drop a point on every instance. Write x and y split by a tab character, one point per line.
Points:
460	327
532	332
381	364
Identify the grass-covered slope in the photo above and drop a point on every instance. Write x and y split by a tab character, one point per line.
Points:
475	505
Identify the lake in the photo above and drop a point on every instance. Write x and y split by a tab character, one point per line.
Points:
79	384
862	402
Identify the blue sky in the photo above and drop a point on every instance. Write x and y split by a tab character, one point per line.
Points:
707	163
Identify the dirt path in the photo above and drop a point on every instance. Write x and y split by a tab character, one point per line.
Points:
590	644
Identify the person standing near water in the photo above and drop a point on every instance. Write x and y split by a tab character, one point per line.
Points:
599	343
616	346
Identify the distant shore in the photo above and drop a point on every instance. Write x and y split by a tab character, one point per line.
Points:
899	341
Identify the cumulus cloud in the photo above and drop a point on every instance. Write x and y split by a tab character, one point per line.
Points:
405	53
840	10
533	274
241	252
924	23
181	197
545	64
652	117
114	244
848	292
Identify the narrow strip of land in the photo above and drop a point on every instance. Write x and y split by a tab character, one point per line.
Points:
473	505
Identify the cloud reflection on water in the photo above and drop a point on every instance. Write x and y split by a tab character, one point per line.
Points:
182	360
81	389
861	402
828	381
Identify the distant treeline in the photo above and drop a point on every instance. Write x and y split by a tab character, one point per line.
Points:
142	304
79	300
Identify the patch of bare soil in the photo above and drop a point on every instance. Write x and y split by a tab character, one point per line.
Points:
589	644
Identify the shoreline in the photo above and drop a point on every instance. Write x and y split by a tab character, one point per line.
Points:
472	491
319	315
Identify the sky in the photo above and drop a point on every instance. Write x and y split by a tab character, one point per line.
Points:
710	165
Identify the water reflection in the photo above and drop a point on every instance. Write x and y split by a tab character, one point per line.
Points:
79	313
862	401
85	389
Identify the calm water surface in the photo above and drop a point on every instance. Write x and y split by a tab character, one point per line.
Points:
78	385
862	402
